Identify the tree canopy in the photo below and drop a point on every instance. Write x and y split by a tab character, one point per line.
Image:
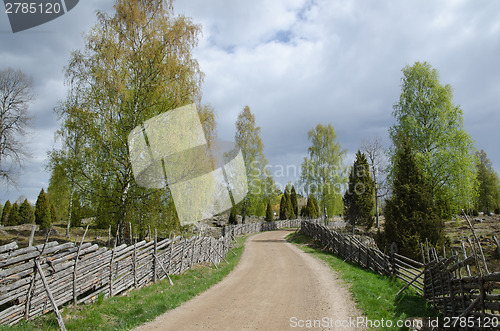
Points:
135	64
411	216
15	96
488	198
433	127
322	173
260	183
359	199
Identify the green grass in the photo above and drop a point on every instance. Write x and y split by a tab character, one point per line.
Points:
138	306
375	295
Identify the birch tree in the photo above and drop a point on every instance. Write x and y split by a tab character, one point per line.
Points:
135	64
433	127
15	96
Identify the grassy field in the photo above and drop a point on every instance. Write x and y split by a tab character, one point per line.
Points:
375	295
138	306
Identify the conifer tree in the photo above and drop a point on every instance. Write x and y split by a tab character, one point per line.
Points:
359	198
295	202
288	207
42	211
269	213
26	215
283	207
5	213
411	215
13	215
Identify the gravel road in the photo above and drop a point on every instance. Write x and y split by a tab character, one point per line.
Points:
276	286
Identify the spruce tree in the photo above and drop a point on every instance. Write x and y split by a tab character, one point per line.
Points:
283	207
42	211
13	215
359	200
5	213
295	202
269	213
411	215
26	215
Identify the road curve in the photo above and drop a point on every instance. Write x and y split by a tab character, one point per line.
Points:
275	286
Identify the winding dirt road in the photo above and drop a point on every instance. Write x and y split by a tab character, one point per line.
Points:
276	286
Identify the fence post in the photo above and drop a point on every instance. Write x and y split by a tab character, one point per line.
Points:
76	265
111	264
394	250
154	255
134	261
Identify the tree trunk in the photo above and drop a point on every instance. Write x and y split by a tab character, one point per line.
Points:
69	215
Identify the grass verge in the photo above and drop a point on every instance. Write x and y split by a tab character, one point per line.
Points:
375	295
138	306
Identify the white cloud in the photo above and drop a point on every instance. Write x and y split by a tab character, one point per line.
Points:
298	63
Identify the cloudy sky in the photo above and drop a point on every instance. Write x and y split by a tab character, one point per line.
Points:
296	63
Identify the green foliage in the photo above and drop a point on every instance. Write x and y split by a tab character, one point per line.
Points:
5	212
322	173
433	127
260	182
269	213
310	210
76	211
53	214
359	199
26	215
42	211
136	63
295	202
489	185
286	208
411	216
59	190
283	207
13	215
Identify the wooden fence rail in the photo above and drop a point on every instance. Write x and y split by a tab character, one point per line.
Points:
35	280
446	282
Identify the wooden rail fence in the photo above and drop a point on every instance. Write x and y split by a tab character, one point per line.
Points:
38	279
456	285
